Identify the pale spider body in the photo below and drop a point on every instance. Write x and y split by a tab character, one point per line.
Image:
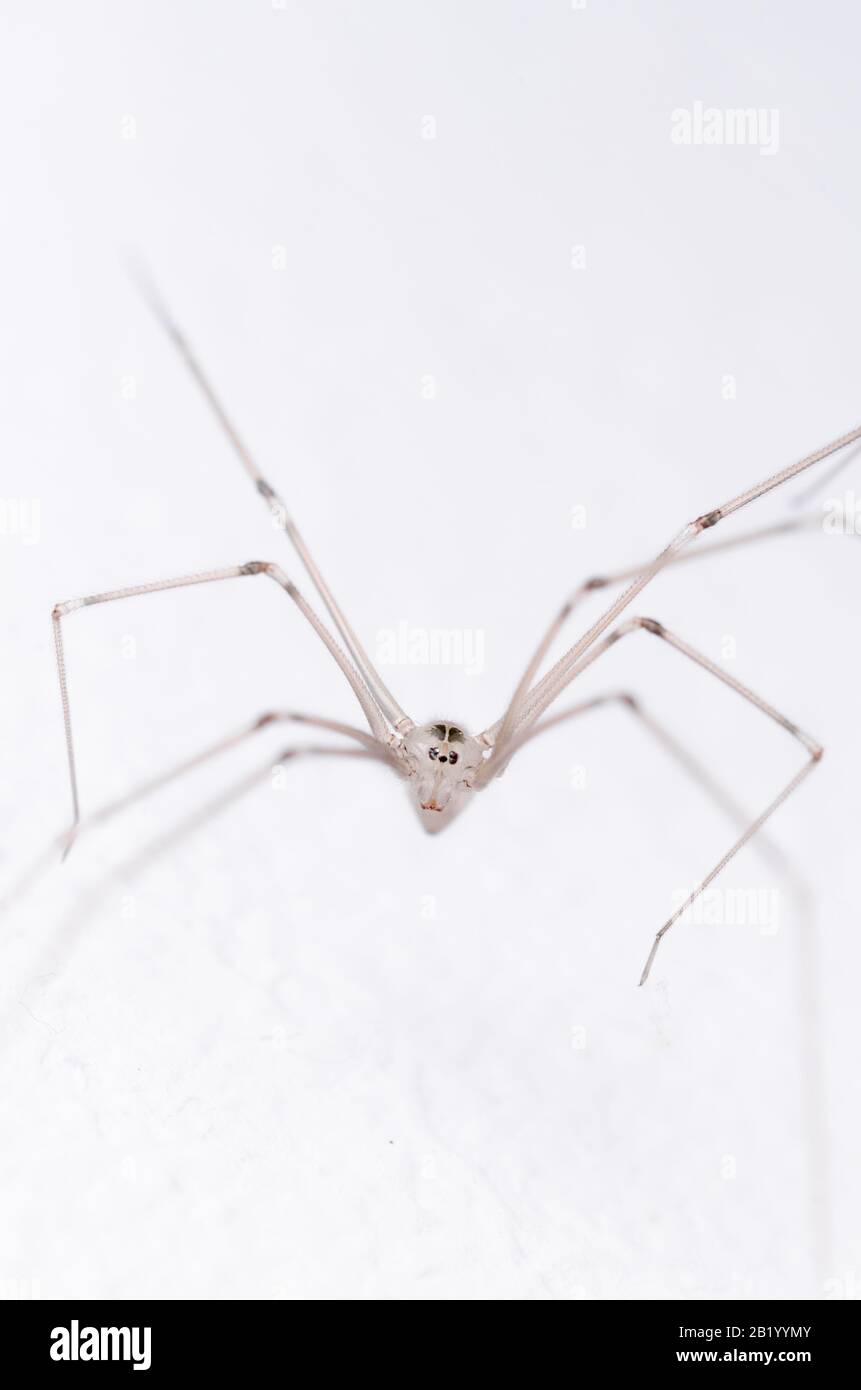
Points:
444	764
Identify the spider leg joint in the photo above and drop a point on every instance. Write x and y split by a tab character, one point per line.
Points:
650	625
70	606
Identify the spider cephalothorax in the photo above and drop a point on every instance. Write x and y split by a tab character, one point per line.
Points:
443	760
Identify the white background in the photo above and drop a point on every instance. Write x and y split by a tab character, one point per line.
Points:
305	1050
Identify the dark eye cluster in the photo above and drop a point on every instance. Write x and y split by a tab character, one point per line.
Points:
433	754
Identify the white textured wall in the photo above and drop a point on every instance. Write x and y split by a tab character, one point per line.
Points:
306	1051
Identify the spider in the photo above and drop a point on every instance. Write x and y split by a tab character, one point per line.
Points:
443	763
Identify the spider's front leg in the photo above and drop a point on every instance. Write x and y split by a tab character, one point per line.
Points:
381	735
62	843
526	705
656	629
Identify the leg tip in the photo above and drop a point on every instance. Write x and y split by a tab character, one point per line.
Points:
650	959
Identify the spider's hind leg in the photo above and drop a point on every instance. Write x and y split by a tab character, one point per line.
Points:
63	843
814	749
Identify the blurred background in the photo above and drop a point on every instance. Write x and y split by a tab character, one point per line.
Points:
499	298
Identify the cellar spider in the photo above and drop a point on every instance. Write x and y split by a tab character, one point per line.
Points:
442	762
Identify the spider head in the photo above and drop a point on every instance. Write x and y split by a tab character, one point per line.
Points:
442	761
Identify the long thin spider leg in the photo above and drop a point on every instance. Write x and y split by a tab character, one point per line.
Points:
819	483
814	750
786	866
61	610
384	697
62	842
556	678
677	750
240	788
499	732
502	754
213	750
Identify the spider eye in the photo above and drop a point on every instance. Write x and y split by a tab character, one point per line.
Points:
433	752
452	757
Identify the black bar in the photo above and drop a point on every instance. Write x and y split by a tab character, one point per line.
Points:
225	1339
